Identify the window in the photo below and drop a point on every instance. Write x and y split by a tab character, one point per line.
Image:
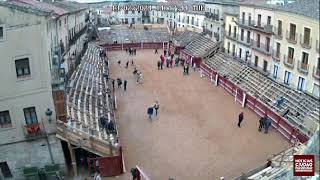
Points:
132	20
5	170
234	31
287	77
275	71
269	20
279	28
258	40
179	18
301	84
248	37
5	121
59	23
265	65
188	20
290	52
316	90
228	47
192	20
233	50
267	44
30	115
305	57
229	30
292	34
126	12
242	33
65	21
243	17
259	20
22	67
249	20
139	12
1	32
278	50
256	61
306	36
240	52
132	12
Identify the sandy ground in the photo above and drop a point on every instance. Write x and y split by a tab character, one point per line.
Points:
195	135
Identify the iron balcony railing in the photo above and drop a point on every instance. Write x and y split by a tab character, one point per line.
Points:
77	35
34	131
303	67
263	48
212	16
316	72
233	36
305	41
291	37
288	61
278	32
243	22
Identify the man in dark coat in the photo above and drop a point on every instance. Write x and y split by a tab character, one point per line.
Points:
267	124
125	85
159	64
187	69
156	51
240	119
261	123
127	64
150	112
119	82
164	52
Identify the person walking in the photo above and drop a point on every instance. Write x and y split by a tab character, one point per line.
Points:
267	124
156	51
187	69
135	51
150	112
132	63
156	107
134	173
164	52
125	85
119	82
119	62
261	123
194	66
240	119
97	175
127	64
113	84
159	64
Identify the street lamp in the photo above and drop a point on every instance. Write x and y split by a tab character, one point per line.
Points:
49	114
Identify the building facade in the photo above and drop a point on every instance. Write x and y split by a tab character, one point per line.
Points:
35	37
214	23
296	46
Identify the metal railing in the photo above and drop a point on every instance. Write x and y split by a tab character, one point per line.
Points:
278	33
212	16
233	36
303	67
77	35
266	49
306	43
316	72
244	22
34	131
289	62
291	37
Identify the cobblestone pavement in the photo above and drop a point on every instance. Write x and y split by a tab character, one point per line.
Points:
195	135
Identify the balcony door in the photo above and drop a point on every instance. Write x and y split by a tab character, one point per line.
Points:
248	37
275	71
267	44
278	50
301	84
305	58
287	77
306	36
243	17
290	53
258	40
292	34
249	20
259	20
265	65
30	115
269	20
279	28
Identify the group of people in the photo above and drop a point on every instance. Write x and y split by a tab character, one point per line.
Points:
138	75
119	83
131	51
155	108
264	122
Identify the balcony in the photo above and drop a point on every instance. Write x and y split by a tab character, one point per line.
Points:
316	72
245	41
277	33
263	48
305	42
289	62
34	131
245	23
266	28
317	46
303	67
291	37
232	36
77	35
276	56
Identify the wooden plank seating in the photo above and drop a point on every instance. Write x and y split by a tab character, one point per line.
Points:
267	90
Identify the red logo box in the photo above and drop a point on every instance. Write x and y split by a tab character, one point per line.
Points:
303	165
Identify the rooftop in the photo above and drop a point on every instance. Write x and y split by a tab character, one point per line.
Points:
200	47
185	38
